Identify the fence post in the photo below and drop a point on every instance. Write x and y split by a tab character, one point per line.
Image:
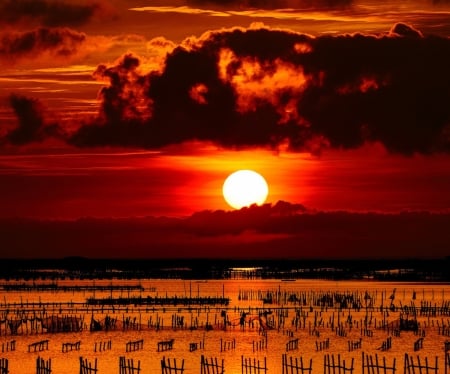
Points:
447	362
4	366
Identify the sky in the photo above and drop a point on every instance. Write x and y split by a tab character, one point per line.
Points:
120	121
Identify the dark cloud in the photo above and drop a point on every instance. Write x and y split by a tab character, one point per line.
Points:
402	29
255	232
58	42
259	218
125	108
30	120
31	124
262	86
49	13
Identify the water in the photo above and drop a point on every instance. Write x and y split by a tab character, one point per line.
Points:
282	301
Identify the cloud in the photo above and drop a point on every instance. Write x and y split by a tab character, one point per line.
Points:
402	29
31	124
125	107
265	87
181	9
60	43
275	4
256	232
50	13
254	218
263	8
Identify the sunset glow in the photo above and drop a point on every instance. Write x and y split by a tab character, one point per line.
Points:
113	110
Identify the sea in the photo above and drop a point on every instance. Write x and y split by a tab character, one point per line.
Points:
240	324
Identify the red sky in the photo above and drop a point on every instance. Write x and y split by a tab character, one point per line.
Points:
131	109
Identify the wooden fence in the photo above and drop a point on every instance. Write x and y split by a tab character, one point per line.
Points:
418	344
193	346
38	346
340	331
131	323
254	366
366	332
9	346
168	367
226	345
132	346
292	344
62	323
412	366
103	346
126	366
43	366
69	347
375	366
259	345
33	318
211	367
444	330
295	365
386	344
4	366
87	367
165	345
331	365
354	345
447	362
324	344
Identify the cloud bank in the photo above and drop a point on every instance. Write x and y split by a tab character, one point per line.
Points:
283	231
266	87
50	13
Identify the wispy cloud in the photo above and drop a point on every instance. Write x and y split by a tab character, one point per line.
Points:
351	17
60	80
182	10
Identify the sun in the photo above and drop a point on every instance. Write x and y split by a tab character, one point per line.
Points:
244	188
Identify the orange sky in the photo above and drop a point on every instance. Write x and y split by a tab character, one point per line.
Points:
142	108
144	183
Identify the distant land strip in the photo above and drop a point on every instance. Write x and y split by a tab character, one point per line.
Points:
408	270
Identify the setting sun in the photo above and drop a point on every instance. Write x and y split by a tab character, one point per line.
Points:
244	188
